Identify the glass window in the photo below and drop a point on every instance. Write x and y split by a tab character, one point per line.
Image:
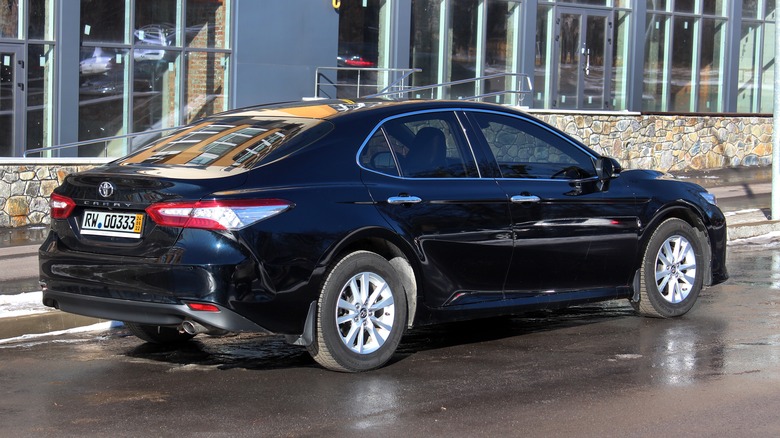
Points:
40	95
621	58
155	23
657	5
376	155
103	22
747	76
430	146
768	68
463	46
543	56
103	101
501	51
233	142
714	7
769	10
41	24
685	5
750	9
655	83
683	48
207	24
713	42
425	43
10	19
525	150
359	45
206	80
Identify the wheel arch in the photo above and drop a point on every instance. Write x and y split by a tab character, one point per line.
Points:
690	214
394	249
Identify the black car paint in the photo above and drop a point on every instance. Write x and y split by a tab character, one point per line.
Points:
270	273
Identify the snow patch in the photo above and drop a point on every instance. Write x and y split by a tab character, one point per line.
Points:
101	326
22	304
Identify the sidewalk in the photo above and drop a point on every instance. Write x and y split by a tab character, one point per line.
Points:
744	195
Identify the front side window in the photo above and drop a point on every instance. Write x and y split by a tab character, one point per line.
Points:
525	150
427	145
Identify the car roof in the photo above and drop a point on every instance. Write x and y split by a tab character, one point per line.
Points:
330	109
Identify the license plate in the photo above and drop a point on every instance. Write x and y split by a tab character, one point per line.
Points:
106	223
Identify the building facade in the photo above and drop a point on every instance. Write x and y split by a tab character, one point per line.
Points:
78	70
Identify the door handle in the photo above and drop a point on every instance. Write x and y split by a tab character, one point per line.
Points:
20	85
520	199
406	199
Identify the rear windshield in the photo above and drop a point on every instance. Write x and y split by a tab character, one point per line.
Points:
231	142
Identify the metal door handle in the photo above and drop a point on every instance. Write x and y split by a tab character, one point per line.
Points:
398	200
519	199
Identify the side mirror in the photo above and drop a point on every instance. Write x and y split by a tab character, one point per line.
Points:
607	168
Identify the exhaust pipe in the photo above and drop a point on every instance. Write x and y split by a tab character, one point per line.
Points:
192	328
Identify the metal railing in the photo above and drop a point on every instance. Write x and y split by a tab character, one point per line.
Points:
522	87
514	84
358	78
129	146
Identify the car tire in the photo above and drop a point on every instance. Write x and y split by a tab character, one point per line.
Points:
361	314
157	334
671	274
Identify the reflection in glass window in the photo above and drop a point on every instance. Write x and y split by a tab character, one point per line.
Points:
9	19
40	92
207	24
768	67
425	44
463	46
103	21
682	64
430	146
206	80
543	56
229	142
376	155
713	44
359	46
102	97
655	72
525	150
41	16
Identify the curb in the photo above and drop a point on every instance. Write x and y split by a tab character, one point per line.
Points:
752	229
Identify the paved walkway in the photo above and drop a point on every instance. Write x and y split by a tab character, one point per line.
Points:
744	194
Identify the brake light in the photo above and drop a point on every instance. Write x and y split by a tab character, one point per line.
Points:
203	307
61	206
216	214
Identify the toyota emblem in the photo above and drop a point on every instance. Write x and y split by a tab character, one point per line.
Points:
106	189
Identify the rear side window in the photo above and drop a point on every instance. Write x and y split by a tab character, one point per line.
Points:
429	145
525	150
231	142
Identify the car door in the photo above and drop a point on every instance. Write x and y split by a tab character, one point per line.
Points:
569	232
423	178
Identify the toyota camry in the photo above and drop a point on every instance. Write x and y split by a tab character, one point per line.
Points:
342	224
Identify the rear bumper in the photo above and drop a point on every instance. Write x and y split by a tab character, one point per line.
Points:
147	313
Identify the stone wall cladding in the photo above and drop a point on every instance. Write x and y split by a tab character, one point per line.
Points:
672	143
25	191
666	143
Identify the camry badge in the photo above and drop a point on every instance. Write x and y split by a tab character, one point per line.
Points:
106	189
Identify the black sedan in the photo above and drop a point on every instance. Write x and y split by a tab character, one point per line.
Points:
341	224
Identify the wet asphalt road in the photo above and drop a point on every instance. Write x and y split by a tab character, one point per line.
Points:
588	371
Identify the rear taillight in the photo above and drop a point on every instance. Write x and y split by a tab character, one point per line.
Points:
216	214
61	206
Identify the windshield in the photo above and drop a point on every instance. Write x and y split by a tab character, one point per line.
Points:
231	142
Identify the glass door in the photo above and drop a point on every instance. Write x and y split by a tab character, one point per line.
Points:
11	93
583	59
